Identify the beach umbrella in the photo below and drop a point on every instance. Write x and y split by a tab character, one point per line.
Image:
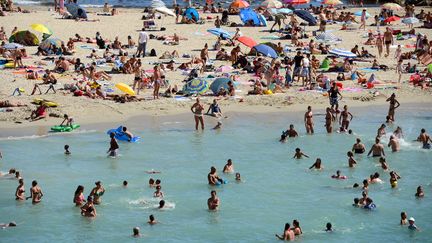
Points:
332	2
41	28
157	4
247	41
342	53
196	86
76	11
189	12
51	41
391	6
165	10
24	37
272	4
410	20
219	83
285	11
239	4
391	19
327	37
125	88
295	2
359	13
219	32
266	50
306	16
13	46
247	14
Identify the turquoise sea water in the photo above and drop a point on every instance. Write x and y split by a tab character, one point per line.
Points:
276	188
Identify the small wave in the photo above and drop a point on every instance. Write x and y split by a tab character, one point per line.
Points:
26	2
46	135
148	203
23	137
92	5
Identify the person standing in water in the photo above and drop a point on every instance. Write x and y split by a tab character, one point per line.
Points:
358	147
213	178
329	120
425	139
113	149
343	119
288	234
213	202
97	192
291	133
377	150
35	193
308	120
394	144
79	196
351	161
198	109
229	167
394	104
334	94
20	191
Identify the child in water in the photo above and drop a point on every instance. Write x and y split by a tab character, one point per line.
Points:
237	177
68	120
299	154
66	148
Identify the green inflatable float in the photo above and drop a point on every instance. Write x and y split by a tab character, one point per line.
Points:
64	128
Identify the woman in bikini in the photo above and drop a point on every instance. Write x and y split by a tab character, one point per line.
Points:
328	120
97	192
79	196
19	193
198	110
394	104
35	193
309	121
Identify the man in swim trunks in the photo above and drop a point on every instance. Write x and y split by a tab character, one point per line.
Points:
128	134
213	202
35	193
394	144
328	120
113	149
291	133
425	139
97	192
212	177
343	119
394	104
333	96
377	149
197	108
388	40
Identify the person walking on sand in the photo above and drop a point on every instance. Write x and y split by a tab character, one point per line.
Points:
363	20
198	109
142	43
388	40
157	80
213	202
379	44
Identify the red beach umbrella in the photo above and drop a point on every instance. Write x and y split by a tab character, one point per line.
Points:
247	41
391	19
294	2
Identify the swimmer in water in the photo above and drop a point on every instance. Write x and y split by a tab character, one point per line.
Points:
152	220
328	227
394	177
404	218
66	148
288	234
308	120
369	204
113	149
358	147
79	196
152	172
125	183
128	134
365	185
88	210
20	191
419	192
398	133
213	202
35	193
351	161
317	165
383	163
338	175
299	154
11	224
376	178
394	144
151	182
229	167
213	178
238	177
412	226
158	192
290	133
97	192
362	201
381	131
296	227
377	150
425	139
356	202
157	182
136	232
343	118
161	204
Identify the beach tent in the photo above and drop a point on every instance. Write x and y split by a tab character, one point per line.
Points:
342	53
189	12
239	4
266	50
24	37
219	83
196	86
51	41
306	16
76	11
247	14
219	32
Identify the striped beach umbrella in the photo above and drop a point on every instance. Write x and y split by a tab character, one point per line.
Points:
219	83
271	4
342	53
196	86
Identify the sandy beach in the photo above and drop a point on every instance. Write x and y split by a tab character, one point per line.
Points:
128	22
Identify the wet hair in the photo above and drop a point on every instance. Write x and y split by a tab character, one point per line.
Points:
112	135
158	181
376	175
78	190
151	181
21	180
329	226
89	199
287	226
356	200
151	217
403	214
125	183
297	149
161	203
34	183
296	223
12	224
355	185
66	147
349	153
423	130
124	129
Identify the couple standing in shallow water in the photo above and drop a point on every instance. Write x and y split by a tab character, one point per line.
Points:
198	111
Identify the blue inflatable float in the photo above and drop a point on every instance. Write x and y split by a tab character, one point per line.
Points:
120	135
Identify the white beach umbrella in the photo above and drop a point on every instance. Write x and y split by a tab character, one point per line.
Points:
165	10
157	4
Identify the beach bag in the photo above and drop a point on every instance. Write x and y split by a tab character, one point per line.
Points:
153	53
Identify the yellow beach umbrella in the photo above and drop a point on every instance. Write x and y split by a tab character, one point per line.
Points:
41	28
125	88
332	2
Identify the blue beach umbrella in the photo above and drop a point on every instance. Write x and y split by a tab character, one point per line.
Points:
306	16
411	20
189	12
247	14
342	53
359	13
218	84
196	86
266	50
219	32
